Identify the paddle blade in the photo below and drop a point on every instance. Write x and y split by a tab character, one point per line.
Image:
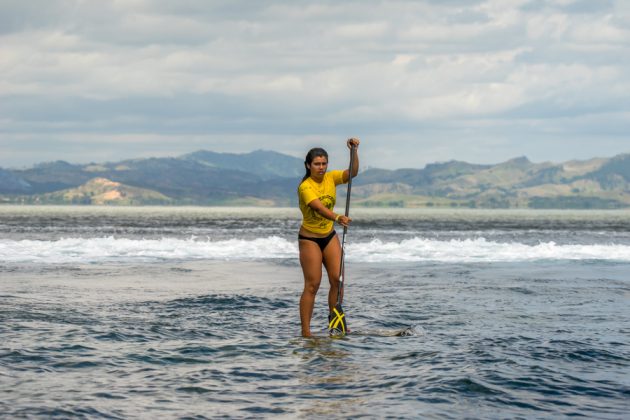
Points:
337	322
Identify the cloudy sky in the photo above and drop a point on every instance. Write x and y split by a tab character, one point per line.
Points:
418	81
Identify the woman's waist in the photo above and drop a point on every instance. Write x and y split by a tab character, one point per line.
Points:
310	234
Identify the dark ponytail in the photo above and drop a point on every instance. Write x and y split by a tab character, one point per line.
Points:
312	154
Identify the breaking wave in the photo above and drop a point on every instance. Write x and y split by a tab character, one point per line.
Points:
112	249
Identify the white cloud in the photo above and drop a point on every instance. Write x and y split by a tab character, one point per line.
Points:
427	71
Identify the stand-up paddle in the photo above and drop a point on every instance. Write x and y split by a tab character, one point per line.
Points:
337	326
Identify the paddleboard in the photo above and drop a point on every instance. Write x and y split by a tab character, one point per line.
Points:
403	332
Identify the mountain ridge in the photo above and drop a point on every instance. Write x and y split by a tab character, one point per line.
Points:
270	178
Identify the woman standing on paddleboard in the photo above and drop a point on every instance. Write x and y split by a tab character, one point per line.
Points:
318	241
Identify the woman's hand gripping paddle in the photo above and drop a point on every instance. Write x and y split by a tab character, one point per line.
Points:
337	326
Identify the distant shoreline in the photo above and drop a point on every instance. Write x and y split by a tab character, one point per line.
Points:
284	211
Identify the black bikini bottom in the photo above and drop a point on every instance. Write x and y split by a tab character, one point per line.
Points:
322	242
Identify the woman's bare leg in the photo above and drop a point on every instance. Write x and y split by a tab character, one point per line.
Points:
311	262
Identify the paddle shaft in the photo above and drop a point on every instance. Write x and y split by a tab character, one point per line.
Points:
345	228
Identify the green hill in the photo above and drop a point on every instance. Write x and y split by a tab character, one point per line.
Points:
597	183
264	178
101	191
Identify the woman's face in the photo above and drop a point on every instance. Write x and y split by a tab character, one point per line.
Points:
318	166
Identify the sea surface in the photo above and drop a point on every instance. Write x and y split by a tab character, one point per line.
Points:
156	312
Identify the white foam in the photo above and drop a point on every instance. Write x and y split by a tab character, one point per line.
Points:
111	249
481	250
90	250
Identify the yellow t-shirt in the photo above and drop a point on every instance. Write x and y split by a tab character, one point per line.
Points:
326	192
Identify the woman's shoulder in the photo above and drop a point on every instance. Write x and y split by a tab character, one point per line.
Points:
305	187
304	183
335	175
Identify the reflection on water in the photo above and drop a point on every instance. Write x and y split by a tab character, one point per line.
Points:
329	377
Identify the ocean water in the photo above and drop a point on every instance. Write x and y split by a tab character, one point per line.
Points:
192	313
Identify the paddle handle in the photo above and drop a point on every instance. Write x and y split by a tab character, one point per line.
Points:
350	167
345	228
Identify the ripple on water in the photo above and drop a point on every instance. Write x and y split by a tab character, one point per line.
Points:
471	351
